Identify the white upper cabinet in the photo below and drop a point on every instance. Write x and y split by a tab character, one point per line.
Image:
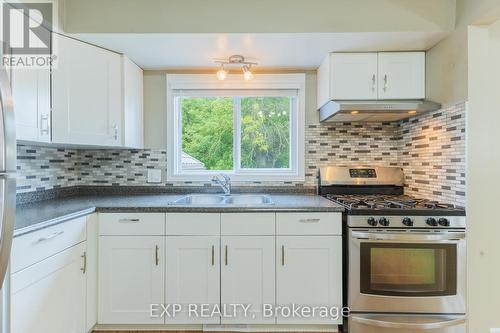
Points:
354	76
31	94
133	128
371	76
86	94
401	75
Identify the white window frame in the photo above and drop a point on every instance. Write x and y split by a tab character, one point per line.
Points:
262	82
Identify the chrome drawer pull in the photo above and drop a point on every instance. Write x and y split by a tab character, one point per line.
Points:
129	220
157	258
309	220
44	239
282	255
84	268
213	255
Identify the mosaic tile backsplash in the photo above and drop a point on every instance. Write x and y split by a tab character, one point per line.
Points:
430	148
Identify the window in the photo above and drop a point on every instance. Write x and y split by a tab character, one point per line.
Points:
250	130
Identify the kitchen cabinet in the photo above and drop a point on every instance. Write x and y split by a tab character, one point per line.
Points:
309	272
192	276
133	120
86	94
371	76
248	276
91	258
354	76
131	278
49	296
401	75
31	96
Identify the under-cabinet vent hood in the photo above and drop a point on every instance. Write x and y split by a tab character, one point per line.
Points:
376	110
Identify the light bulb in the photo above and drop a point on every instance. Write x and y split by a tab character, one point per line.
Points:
222	74
247	73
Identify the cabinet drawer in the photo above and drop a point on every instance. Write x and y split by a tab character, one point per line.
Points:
132	224
193	224
248	224
33	247
309	223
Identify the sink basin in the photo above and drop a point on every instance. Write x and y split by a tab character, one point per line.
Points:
200	199
249	199
219	200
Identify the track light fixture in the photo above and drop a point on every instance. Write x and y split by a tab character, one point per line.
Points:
235	60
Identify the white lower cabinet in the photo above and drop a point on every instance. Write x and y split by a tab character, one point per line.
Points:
49	296
309	272
193	277
131	278
248	277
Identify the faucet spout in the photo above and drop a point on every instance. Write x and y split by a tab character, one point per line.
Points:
224	181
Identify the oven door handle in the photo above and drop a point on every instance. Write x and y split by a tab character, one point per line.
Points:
448	322
409	236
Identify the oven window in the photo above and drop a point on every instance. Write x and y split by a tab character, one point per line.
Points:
395	269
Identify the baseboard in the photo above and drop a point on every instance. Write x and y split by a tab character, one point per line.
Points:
216	328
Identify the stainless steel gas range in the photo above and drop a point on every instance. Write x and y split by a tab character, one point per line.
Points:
406	256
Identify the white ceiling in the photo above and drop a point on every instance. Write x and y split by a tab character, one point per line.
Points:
285	50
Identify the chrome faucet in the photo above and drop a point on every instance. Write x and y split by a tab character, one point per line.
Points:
224	181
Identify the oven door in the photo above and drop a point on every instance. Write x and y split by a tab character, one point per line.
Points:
407	272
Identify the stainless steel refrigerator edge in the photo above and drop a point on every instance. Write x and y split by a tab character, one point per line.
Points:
7	192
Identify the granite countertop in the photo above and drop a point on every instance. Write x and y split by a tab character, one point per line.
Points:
38	215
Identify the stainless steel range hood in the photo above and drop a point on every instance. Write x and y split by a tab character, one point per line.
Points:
376	110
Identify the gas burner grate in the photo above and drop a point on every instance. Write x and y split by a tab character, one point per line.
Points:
356	201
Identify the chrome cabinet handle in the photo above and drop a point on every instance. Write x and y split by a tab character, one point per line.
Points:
115	128
385	82
309	220
44	239
225	256
84	268
213	255
157	258
282	255
129	220
373	82
44	119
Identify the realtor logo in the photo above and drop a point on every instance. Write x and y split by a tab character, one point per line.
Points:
27	34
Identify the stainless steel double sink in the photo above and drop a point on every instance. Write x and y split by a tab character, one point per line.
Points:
223	200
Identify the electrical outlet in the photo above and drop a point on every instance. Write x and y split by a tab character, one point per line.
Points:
494	330
154	175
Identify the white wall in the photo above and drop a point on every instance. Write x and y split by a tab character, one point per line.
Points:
483	183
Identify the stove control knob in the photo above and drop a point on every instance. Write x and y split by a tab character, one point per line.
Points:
444	222
383	221
432	222
407	221
371	221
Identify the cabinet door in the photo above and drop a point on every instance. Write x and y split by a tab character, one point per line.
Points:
31	94
401	75
133	119
193	276
309	272
91	272
248	277
354	76
131	278
49	296
86	94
